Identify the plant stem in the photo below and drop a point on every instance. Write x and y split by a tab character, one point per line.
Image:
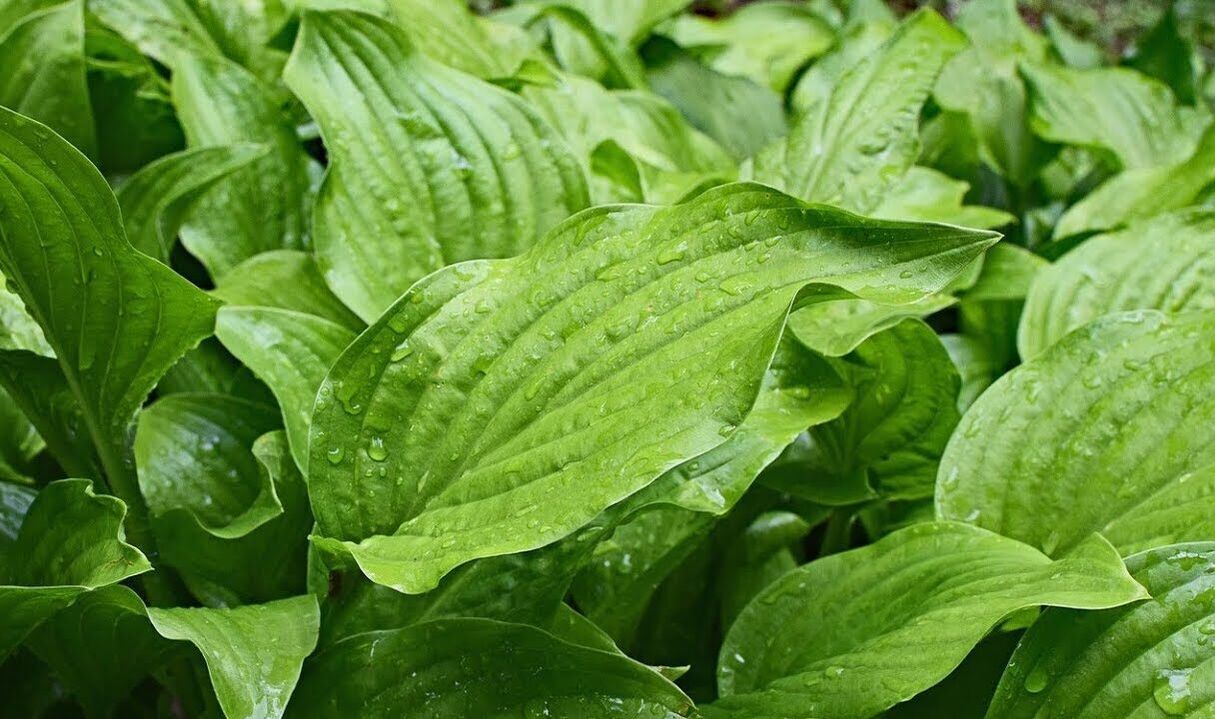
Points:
839	532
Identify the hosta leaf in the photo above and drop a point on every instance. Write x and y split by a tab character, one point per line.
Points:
1167	54
38	388
837	327
854	44
926	195
1073	50
262	206
767	42
14	502
1141	193
228	506
167	30
1153	659
849	635
1086	438
850	146
983	83
411	164
253	653
890	438
449	32
44	79
483	668
62	248
628	20
1123	111
111	622
286	280
156	200
451	426
19	442
741	115
1164	263
291	352
71	541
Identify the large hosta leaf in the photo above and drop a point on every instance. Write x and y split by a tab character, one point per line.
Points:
116	318
1142	193
1109	430
428	165
71	541
852	634
1123	111
479	668
253	653
853	144
456	425
1154	659
44	78
1166	263
287	280
261	207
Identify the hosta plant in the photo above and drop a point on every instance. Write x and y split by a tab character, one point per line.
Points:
574	358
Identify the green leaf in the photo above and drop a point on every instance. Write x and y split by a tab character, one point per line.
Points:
1120	110
253	653
1152	659
70	542
112	623
14	502
628	20
853	45
982	83
434	165
1073	50
766	42
496	669
156	200
853	144
448	32
19	442
1160	264
450	426
228	507
741	115
263	206
1142	193
63	250
761	555
45	72
852	634
1167	55
889	440
926	195
286	280
291	352
1085	438
167	30
1008	273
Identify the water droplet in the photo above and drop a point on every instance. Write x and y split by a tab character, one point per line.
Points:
1172	691
402	351
1037	679
376	449
666	257
335	454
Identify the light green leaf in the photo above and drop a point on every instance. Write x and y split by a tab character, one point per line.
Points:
253	653
836	327
291	352
1167	54
167	30
19	442
478	667
19	331
263	206
760	556
853	144
286	280
889	440
741	115
926	195
628	20
1072	49
70	542
1153	659
453	427
853	45
63	249
982	82
1085	438
578	45
44	78
976	363
1123	111
447	31
852	634
156	200
1164	263
411	165
766	42
14	502
1008	273
1142	193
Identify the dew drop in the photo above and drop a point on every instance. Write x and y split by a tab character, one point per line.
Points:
335	454
376	449
1172	691
1037	679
